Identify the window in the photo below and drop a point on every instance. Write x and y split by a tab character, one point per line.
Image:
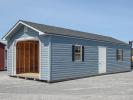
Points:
119	54
77	53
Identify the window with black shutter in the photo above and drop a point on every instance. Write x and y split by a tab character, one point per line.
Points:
77	53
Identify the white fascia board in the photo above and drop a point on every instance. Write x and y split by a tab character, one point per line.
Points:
20	22
41	33
10	31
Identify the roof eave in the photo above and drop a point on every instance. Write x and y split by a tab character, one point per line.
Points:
88	39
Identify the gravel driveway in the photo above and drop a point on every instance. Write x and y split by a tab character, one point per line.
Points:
106	87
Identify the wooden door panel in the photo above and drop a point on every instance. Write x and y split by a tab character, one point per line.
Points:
27	57
32	57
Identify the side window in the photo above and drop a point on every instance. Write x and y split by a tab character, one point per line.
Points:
77	53
119	55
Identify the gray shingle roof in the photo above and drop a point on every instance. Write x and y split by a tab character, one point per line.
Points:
68	32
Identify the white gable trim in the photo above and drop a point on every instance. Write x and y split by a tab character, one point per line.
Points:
20	22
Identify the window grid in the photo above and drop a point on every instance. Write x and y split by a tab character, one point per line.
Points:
78	52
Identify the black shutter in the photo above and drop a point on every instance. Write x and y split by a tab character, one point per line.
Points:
73	52
82	53
122	54
116	54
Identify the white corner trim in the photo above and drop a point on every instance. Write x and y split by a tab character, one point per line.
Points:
13	59
49	59
20	22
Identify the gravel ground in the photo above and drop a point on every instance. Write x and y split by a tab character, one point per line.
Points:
106	87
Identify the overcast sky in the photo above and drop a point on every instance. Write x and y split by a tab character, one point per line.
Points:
106	17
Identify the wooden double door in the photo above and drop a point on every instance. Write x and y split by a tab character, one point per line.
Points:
27	57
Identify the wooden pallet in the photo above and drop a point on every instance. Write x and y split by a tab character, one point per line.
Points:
33	76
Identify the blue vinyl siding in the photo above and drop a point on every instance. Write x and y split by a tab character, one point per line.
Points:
9	60
117	66
64	68
10	50
45	57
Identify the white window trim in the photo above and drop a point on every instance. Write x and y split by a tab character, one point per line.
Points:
80	53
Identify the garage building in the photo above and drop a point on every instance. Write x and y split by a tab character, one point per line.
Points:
54	54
